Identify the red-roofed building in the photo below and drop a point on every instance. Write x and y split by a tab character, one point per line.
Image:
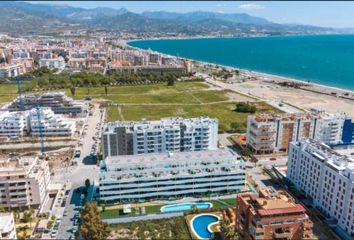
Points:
271	215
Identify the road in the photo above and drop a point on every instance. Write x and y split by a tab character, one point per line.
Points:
86	169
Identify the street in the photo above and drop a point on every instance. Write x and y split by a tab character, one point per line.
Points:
86	168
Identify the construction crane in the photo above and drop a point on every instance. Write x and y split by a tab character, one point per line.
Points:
41	135
19	89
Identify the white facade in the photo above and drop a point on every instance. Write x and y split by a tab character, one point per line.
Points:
23	182
52	63
51	124
13	124
7	226
166	175
9	71
166	135
326	177
21	124
268	133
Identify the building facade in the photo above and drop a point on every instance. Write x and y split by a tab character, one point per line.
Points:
273	133
326	177
13	124
271	215
52	63
165	135
24	182
57	101
51	124
170	175
7	226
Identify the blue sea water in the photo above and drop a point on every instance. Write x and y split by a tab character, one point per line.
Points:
323	59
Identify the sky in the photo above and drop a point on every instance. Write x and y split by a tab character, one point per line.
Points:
326	14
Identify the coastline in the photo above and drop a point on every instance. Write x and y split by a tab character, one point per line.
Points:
251	73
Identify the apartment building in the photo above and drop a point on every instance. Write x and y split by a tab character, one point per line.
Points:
271	214
50	123
170	175
52	63
10	71
7	226
165	135
326	177
57	101
13	124
23	182
268	133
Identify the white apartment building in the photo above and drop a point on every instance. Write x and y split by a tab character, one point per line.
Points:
57	101
326	177
268	133
51	124
13	124
7	226
7	71
23	182
170	175
165	135
52	63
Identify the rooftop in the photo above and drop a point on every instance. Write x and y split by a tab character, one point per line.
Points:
170	157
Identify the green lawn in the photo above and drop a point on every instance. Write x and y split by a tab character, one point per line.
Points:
223	111
8	92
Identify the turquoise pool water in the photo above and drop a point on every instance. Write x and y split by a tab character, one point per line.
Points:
201	224
185	207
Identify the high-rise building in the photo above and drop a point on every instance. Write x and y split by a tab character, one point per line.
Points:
268	133
271	215
170	175
7	226
326	177
166	135
24	182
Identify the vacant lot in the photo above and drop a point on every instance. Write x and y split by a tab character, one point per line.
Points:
171	228
152	102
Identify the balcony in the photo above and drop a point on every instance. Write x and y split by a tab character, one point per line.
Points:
282	234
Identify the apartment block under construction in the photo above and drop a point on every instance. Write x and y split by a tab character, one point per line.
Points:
271	215
273	133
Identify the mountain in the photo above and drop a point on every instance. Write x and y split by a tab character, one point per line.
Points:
97	13
24	17
199	16
16	21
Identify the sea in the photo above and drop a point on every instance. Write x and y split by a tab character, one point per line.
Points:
321	59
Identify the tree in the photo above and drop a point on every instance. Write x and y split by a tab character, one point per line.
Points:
227	230
245	107
73	90
87	183
170	80
194	209
106	90
92	227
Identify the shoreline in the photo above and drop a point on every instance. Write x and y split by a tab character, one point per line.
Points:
252	73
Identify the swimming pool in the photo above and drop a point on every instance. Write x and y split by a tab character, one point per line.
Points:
180	207
201	225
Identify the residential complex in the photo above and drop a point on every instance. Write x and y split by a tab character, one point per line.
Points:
7	226
12	124
271	214
52	63
326	177
268	133
23	182
49	123
165	135
26	123
57	101
170	175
